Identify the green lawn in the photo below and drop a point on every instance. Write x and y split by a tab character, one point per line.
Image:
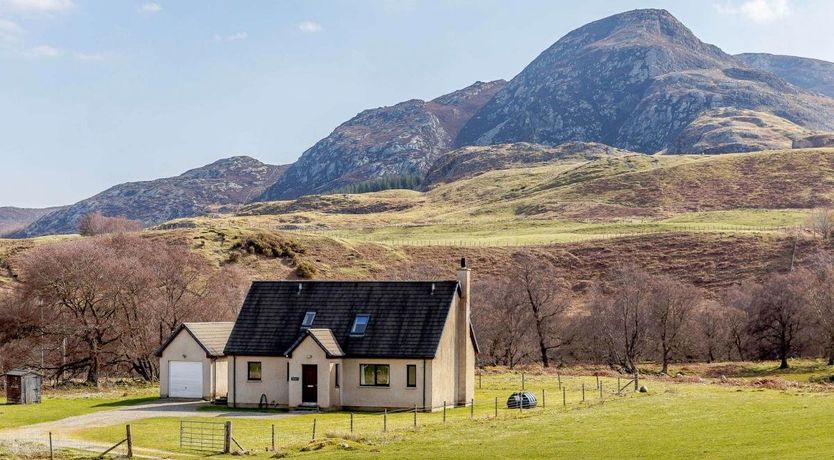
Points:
55	407
681	420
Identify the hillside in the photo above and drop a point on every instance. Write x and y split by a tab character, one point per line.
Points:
730	130
607	188
400	140
811	74
712	220
633	80
470	161
218	187
13	219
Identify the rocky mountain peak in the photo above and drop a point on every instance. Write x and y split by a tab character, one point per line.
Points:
633	80
399	140
235	166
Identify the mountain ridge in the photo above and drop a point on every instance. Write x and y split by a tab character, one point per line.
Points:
634	81
403	139
210	188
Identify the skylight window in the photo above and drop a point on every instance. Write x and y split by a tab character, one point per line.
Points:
308	319
360	324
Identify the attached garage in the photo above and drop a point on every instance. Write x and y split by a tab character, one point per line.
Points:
192	364
185	379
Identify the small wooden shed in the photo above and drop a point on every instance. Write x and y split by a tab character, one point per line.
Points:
23	386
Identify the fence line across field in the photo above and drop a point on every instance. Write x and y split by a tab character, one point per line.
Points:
52	444
551	239
571	392
556	394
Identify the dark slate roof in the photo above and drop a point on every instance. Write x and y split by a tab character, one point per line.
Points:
406	317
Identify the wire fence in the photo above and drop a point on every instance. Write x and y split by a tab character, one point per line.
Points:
555	395
557	237
278	430
55	445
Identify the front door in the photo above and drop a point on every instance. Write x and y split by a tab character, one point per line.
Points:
309	384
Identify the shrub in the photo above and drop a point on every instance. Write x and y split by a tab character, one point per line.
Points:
305	269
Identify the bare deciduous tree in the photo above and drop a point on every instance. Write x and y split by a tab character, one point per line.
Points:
547	298
778	315
97	224
822	305
713	334
618	311
110	297
502	320
670	308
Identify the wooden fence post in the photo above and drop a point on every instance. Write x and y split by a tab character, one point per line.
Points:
618	385
583	391
51	455
273	437
444	411
543	402
479	380
351	422
314	429
129	441
597	382
227	438
472	408
496	407
385	420
415	416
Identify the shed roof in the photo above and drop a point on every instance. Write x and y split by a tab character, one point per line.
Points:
211	336
22	372
406	317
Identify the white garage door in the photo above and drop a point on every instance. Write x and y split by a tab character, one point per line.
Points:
185	379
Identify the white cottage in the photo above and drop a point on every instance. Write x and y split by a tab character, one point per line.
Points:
354	345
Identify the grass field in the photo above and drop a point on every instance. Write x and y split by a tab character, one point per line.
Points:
680	418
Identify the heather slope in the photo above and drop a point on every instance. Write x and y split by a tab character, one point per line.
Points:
217	187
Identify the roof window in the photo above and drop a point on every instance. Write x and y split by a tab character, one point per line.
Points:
308	319
360	323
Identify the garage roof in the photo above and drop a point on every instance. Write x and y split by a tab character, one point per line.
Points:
212	336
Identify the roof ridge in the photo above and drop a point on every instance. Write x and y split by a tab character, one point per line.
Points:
356	281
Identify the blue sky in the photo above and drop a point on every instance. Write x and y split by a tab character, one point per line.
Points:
95	93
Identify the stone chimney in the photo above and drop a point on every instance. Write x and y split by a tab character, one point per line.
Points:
464	350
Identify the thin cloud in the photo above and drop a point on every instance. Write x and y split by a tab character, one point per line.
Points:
231	38
309	27
44	52
9	31
758	11
81	56
38	6
150	8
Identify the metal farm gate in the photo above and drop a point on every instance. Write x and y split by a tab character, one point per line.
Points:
205	436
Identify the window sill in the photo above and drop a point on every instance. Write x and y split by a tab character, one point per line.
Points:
374	386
